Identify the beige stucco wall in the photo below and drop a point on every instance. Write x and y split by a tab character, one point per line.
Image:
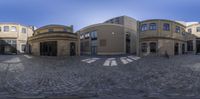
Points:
194	31
162	33
64	47
21	38
62	38
115	39
165	40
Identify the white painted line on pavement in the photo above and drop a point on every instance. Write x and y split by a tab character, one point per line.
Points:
124	61
113	63
90	60
134	57
129	60
27	56
106	63
85	60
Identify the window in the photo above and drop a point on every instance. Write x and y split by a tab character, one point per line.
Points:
144	47
82	37
152	26
87	35
166	27
103	43
14	42
13	29
198	29
23	47
50	30
153	47
189	30
178	29
8	41
6	28
23	30
65	30
93	35
144	27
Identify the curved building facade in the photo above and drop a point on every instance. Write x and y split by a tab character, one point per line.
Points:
109	38
162	37
54	40
13	38
194	29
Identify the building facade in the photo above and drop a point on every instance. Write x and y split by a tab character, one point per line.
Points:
113	37
54	40
124	35
13	38
162	37
194	29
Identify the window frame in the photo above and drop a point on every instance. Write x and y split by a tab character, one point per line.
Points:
190	30
178	29
144	27
6	28
166	26
23	31
152	26
197	29
13	27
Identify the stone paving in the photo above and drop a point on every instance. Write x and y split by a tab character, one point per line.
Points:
103	77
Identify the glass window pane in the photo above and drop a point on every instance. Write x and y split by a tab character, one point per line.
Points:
13	29
23	30
6	28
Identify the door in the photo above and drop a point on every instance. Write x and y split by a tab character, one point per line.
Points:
128	42
183	48
153	47
2	49
72	49
198	46
48	48
176	49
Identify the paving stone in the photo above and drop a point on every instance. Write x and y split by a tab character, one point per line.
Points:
148	77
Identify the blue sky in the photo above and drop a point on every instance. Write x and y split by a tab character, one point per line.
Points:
81	13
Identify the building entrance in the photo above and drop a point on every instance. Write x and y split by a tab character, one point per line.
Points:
72	49
176	49
48	48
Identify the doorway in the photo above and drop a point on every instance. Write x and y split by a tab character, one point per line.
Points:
48	48
183	48
176	49
2	49
198	46
128	42
72	49
153	47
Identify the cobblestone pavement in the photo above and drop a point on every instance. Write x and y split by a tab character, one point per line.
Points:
147	78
